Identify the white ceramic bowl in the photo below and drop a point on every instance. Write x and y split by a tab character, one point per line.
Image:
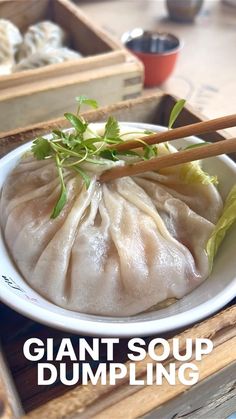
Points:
209	297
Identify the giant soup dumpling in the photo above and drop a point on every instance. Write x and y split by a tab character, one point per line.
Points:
116	249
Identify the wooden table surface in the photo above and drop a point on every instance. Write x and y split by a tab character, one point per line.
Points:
205	72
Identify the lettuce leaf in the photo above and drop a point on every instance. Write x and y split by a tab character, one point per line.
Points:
224	223
193	173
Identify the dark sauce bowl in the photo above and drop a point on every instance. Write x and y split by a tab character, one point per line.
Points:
157	51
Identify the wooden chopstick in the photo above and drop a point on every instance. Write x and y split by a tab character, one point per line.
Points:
181	132
180	157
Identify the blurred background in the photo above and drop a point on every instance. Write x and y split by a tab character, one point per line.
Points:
188	50
205	69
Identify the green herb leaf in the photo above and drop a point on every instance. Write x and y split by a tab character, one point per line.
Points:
58	133
84	100
112	129
91	141
130	153
149	152
41	148
225	222
109	154
113	141
71	140
63	195
60	204
137	132
147	132
76	122
196	145
84	176
71	149
175	112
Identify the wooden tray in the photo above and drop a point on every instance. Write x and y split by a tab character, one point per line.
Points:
107	72
213	396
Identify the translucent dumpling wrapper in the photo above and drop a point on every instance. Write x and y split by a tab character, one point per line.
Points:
46	56
116	249
10	41
41	35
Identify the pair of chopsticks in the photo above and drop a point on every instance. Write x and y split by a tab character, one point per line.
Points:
180	157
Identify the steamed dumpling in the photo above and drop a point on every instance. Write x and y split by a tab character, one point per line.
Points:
116	249
40	35
45	57
10	40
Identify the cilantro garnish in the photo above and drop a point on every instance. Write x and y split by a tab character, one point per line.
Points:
63	195
175	112
112	130
70	148
84	100
41	148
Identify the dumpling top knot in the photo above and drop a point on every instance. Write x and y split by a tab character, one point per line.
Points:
41	35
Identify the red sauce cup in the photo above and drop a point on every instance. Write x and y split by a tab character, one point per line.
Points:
157	51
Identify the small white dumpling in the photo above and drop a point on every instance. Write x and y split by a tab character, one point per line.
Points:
10	40
45	57
41	35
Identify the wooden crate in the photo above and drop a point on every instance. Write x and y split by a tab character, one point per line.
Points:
213	396
107	72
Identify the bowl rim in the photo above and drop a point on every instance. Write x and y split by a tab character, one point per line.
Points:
127	36
114	327
119	329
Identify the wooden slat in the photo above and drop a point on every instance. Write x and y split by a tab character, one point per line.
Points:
153	109
150	397
68	15
133	110
57	70
130	68
123	400
24	13
10	407
14	332
214	397
27	103
107	71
